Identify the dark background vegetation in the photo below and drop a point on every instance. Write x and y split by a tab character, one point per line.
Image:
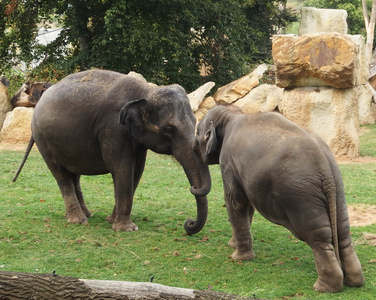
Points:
168	41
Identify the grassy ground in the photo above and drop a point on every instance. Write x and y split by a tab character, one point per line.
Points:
35	236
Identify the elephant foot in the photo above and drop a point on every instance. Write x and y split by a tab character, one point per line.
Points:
232	243
77	219
328	286
239	255
330	274
86	212
352	268
354	280
110	219
124	226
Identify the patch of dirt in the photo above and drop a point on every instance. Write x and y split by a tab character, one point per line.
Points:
355	160
361	214
370	240
13	146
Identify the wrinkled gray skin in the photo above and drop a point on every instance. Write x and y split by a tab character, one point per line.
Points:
98	122
272	165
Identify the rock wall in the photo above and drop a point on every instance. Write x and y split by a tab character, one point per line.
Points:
5	105
330	113
325	80
16	126
316	20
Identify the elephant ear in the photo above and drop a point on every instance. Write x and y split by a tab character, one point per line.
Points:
132	116
212	142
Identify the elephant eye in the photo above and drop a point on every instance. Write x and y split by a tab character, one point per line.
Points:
168	130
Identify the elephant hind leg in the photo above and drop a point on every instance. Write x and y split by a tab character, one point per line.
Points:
73	207
330	275
80	196
240	215
351	265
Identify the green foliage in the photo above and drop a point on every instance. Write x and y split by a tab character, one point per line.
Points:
35	236
168	41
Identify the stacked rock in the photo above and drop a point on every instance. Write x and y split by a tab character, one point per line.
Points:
324	73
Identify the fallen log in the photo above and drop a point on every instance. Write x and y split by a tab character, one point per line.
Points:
14	285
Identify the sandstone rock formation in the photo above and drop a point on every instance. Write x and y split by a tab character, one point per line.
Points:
16	126
141	78
320	59
239	88
29	94
197	96
5	105
325	75
330	113
262	98
207	104
367	108
316	20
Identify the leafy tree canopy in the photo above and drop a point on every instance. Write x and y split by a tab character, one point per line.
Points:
167	41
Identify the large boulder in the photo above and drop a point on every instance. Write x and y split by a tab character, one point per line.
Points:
204	107
29	94
239	88
332	114
16	127
367	109
263	98
316	20
196	97
139	76
325	59
5	105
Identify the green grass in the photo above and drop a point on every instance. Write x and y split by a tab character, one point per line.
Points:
368	140
35	236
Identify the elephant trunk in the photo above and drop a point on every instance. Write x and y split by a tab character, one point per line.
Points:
199	177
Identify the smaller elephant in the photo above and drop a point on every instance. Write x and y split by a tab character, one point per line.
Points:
289	176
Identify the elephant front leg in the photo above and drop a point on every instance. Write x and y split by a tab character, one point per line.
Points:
330	275
126	182
121	215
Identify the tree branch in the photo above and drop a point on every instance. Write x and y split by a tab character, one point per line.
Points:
15	285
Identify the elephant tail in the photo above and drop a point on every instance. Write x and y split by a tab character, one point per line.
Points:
332	202
333	190
28	149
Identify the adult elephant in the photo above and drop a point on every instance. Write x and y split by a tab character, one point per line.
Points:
97	122
270	164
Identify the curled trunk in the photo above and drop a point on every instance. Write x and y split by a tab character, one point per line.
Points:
199	177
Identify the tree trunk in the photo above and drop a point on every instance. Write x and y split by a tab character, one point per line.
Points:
370	28
50	286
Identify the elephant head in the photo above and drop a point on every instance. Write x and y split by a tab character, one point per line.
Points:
209	136
164	122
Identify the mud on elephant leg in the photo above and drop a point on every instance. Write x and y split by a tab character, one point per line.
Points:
330	275
351	267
